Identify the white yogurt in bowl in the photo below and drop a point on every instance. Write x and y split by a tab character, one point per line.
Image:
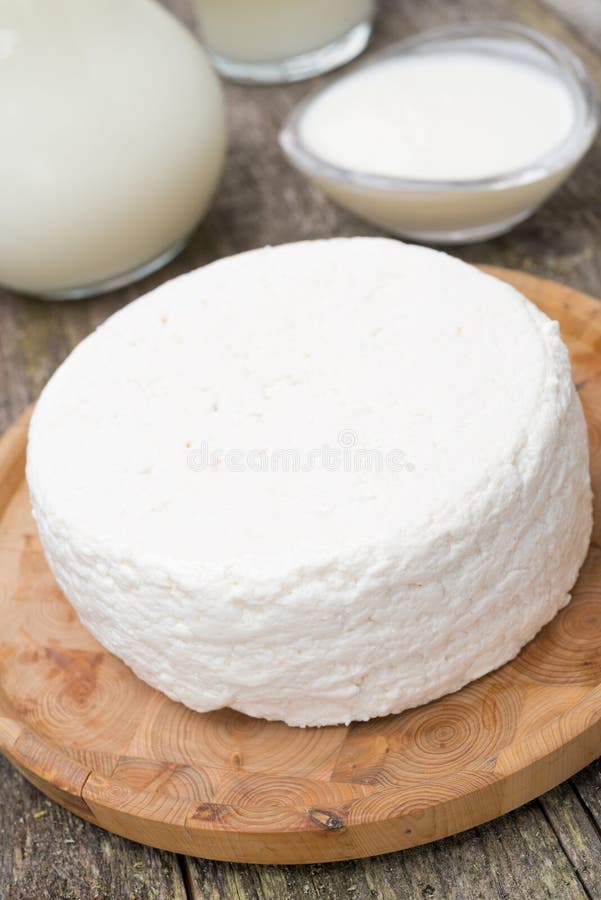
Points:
452	136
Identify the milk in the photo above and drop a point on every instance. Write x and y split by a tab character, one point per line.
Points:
255	32
446	143
456	115
113	139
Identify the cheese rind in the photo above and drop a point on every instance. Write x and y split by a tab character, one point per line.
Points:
314	591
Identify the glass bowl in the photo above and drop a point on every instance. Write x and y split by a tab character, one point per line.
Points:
463	210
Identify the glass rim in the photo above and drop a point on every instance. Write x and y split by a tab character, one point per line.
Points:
567	152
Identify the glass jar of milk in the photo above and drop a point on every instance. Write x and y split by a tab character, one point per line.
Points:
113	139
269	41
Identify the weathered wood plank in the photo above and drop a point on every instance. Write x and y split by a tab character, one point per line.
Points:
583	15
48	854
588	787
575	830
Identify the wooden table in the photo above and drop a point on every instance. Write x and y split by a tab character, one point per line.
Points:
549	848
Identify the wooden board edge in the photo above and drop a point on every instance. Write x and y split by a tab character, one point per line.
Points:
45	766
12	459
318	845
534	284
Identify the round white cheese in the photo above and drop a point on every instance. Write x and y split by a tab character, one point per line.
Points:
319	482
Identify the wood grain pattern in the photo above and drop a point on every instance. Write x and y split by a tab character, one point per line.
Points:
83	729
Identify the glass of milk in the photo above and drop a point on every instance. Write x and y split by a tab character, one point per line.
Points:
113	139
453	136
270	41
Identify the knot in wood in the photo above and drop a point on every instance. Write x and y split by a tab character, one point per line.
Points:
325	819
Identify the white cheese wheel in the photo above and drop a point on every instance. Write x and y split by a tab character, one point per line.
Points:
318	482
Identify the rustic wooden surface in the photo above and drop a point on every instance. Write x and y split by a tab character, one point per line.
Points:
550	848
78	723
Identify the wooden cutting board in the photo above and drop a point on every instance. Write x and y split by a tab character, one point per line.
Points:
79	725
